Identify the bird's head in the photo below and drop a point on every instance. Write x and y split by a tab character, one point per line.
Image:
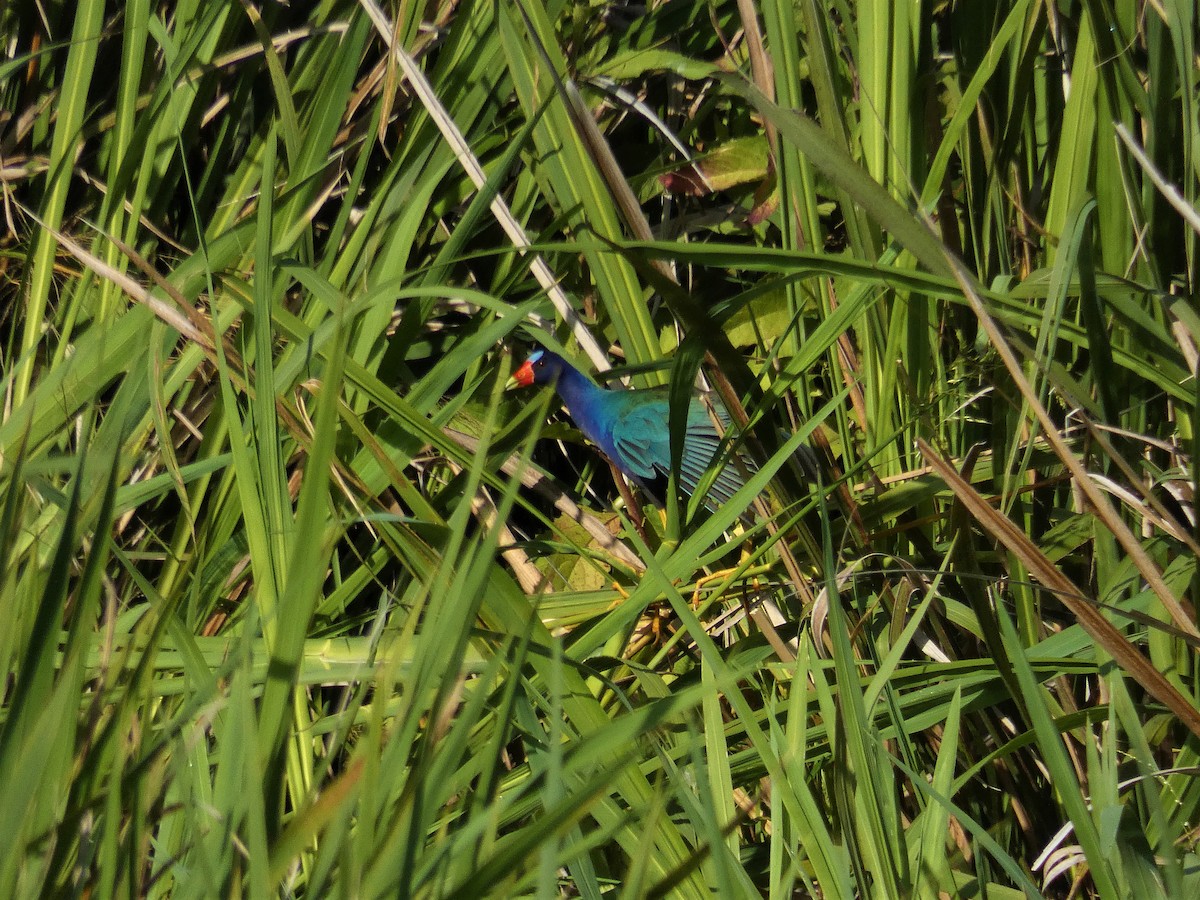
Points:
542	367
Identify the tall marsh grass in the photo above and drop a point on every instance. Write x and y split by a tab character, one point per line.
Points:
296	601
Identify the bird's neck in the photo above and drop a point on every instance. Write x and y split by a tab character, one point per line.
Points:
587	403
576	389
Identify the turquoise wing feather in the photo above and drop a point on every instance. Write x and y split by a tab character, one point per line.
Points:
642	438
641	435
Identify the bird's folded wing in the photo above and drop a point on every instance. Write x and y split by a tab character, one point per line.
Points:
642	439
700	446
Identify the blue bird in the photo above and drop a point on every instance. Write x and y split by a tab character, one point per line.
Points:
633	428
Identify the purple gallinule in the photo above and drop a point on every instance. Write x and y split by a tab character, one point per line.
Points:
633	428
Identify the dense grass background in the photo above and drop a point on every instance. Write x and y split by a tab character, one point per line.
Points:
295	601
